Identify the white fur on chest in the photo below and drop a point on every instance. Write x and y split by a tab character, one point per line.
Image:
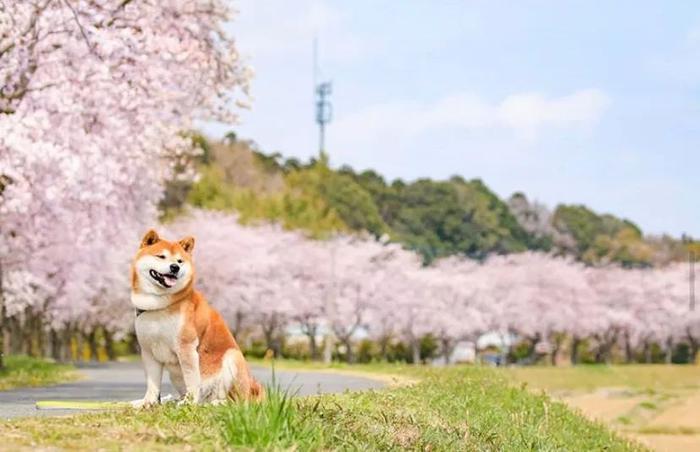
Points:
149	301
159	333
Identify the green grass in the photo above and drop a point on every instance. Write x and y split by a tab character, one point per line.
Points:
23	371
279	422
460	408
649	378
648	405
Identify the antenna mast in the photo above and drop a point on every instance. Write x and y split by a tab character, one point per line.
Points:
324	109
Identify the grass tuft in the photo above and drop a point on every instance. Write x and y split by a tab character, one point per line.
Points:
273	423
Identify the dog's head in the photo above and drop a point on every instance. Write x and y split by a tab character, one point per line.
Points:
161	267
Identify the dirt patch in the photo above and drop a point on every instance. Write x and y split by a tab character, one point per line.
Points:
684	415
669	443
672	428
602	405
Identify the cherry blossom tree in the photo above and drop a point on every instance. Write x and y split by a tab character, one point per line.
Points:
94	99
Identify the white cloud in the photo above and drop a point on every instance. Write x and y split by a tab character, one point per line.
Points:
523	114
530	111
283	29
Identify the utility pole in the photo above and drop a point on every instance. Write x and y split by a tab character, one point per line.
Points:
322	91
324	109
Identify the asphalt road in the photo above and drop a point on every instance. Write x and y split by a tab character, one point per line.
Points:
126	382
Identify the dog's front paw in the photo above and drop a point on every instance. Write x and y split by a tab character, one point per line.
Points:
143	403
189	399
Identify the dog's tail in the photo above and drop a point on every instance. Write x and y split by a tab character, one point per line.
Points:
245	387
250	390
257	391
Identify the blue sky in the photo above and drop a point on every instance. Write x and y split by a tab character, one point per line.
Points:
567	101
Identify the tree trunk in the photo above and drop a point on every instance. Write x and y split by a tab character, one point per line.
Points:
48	344
669	350
415	350
605	345
313	344
446	350
556	340
384	347
629	353
55	345
313	347
268	332
269	328
575	344
278	345
647	352
2	323
555	353
328	344
79	338
349	355
66	345
7	340
531	351
607	355
40	336
238	322
505	350
109	344
16	335
693	342
92	345
26	334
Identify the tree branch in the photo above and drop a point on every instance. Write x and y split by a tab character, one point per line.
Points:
80	27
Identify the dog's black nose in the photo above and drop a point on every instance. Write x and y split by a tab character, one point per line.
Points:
174	268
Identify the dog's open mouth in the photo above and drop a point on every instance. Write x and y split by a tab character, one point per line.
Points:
166	280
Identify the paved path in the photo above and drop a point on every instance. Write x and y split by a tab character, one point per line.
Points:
125	381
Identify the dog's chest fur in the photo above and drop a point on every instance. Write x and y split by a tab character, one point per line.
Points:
159	333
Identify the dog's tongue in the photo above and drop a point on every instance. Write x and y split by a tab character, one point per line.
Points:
169	280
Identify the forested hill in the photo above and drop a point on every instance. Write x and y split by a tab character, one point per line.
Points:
434	217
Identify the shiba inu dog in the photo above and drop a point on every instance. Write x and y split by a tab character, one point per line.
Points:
177	330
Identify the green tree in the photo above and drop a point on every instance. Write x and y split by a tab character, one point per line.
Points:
603	238
353	203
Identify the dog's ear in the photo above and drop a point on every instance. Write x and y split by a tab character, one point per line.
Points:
187	244
150	238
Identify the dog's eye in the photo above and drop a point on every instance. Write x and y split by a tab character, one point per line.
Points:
160	256
179	261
